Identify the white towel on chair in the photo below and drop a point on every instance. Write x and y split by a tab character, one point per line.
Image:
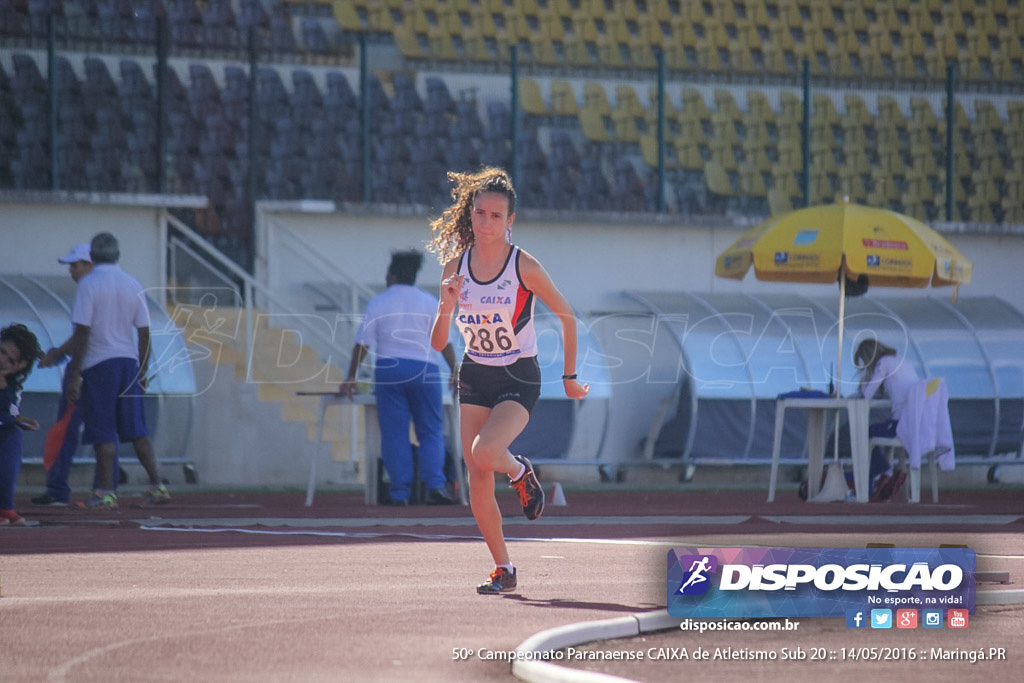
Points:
924	426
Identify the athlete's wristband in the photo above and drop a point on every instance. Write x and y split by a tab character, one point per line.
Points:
572	376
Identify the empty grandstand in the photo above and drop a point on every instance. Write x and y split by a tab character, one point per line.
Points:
360	101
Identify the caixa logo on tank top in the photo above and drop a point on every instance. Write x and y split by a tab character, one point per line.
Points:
488	333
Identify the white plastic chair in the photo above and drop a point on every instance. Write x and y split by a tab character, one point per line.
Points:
925	427
894	448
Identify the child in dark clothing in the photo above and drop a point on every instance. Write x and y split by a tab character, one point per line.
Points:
19	350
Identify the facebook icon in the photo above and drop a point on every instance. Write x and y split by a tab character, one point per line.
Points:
856	618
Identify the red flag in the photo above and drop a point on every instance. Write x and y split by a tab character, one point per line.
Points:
55	437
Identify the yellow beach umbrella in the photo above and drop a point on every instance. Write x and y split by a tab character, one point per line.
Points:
813	244
849	243
871	247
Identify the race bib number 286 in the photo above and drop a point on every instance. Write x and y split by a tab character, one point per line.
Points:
488	334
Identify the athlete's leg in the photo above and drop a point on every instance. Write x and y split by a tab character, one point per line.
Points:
486	435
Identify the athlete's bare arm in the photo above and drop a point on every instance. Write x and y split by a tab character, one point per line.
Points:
537	280
451	285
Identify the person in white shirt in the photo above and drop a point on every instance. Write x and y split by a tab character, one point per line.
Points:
109	362
407	381
883	370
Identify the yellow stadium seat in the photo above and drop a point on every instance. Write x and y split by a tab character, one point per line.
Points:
649	32
822	191
641	56
346	16
986	117
688	155
671	112
747	35
563	99
823	109
756	153
625	127
791	108
543	50
856	111
717	179
920	19
693	105
692	130
561	8
649	150
889	112
752	182
922	115
407	43
953	19
478	49
709	59
782	39
991	166
627	101
851	184
530	98
442	46
610	53
1015	114
482	23
784	182
551	26
790	155
774	59
593	126
758	14
969	68
822	16
379	18
759	108
854	137
725	105
595	98
823	159
722	152
724	129
960	116
579	53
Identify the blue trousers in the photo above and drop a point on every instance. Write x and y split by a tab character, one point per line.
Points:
10	464
410	390
57	477
879	463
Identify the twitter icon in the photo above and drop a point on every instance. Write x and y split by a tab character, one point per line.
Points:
881	618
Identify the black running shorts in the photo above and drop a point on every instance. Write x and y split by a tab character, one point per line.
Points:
489	385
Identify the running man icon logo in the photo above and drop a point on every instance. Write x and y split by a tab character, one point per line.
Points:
695	581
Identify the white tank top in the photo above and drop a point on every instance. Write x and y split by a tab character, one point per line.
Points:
496	317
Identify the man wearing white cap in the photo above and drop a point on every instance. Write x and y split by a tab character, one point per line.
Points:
62	441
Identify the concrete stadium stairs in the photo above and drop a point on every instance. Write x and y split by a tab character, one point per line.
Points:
281	367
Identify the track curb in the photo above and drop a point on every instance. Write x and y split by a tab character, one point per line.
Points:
531	665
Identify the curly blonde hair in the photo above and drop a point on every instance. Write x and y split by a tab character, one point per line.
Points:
452	232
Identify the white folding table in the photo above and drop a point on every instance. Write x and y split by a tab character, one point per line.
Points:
819	409
371	450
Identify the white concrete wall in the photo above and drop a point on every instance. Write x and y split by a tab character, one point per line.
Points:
589	260
36	235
